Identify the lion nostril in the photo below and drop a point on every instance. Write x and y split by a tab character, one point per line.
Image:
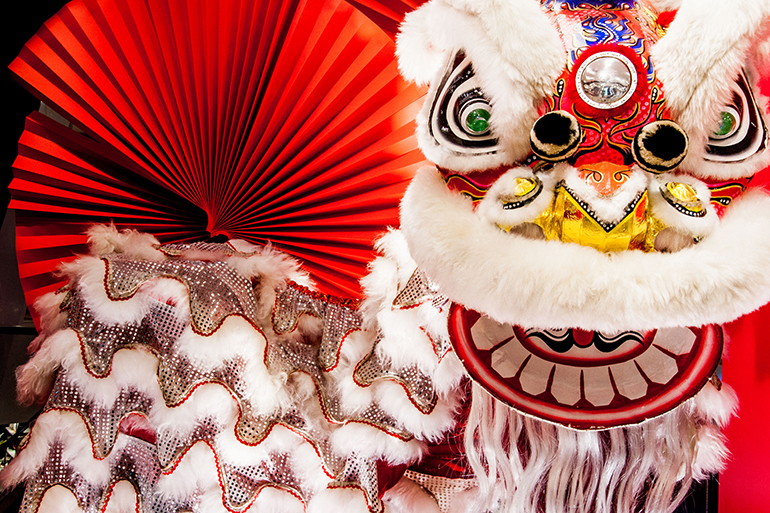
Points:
555	136
660	146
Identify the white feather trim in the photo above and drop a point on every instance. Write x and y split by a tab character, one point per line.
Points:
393	399
491	207
106	239
548	284
88	275
35	378
196	472
349	500
716	406
69	428
711	454
695	227
131	369
123	498
237	339
59	499
409	497
369	442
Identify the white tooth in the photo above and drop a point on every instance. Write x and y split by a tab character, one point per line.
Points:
507	360
676	340
566	384
487	333
658	366
534	377
598	388
630	383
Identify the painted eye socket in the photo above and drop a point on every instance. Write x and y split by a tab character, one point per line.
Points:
728	125
741	132
460	113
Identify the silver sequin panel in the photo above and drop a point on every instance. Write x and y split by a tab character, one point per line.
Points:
135	462
177	376
339	317
418	385
216	289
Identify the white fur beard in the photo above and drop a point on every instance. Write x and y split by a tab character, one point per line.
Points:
524	464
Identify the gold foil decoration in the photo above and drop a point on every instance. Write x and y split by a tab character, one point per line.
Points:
684	198
570	219
524	186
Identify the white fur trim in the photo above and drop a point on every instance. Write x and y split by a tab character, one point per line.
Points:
666	5
370	442
123	498
608	208
548	284
705	47
34	379
106	239
393	399
59	499
338	499
695	227
716	406
69	428
409	497
491	207
237	339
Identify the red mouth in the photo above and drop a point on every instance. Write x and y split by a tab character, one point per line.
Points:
583	379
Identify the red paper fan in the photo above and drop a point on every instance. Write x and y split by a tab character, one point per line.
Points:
388	14
266	121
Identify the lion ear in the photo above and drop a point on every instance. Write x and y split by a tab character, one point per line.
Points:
701	56
420	49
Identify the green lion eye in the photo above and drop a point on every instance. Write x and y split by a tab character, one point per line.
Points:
477	121
727	125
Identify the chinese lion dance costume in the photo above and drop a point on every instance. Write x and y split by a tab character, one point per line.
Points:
542	334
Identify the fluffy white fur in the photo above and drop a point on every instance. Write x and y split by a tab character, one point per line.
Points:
548	284
52	318
123	498
491	207
132	369
59	499
34	379
393	399
609	208
705	47
106	239
68	427
196	472
666	5
338	499
237	339
694	227
407	497
405	342
370	442
516	55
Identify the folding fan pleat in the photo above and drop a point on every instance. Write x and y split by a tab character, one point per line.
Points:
388	14
279	121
